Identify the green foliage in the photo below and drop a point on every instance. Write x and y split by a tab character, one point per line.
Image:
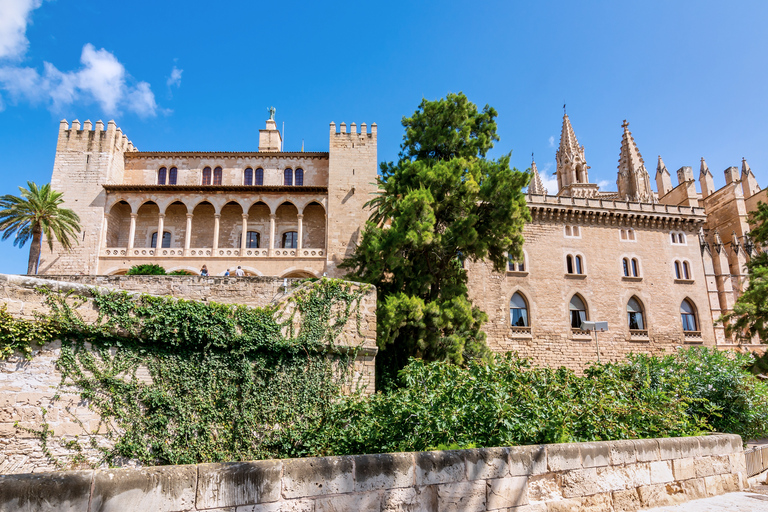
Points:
35	214
19	336
182	382
507	402
750	312
442	202
149	269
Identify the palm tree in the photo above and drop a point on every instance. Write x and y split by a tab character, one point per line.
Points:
36	213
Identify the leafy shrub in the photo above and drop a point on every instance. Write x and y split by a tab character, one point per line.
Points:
146	270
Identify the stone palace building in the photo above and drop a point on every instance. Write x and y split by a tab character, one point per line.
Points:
659	266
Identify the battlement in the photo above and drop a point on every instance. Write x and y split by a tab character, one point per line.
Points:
93	135
353	129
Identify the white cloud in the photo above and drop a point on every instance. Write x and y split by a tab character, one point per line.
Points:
101	79
602	184
175	78
14	17
548	179
552	141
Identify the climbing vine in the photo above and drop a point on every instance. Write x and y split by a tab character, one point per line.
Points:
182	382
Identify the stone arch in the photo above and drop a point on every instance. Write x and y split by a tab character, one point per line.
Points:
286	221
116	271
190	270
258	221
296	272
202	225
118	224
147	217
314	223
250	271
230	224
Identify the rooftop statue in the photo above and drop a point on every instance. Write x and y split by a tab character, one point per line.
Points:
271	111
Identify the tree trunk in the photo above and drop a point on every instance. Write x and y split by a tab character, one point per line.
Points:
34	250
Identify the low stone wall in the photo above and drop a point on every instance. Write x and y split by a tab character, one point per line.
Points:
606	476
27	387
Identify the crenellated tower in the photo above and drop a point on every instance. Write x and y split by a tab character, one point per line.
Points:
572	168
86	158
352	182
633	181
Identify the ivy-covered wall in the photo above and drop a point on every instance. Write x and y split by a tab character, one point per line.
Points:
129	378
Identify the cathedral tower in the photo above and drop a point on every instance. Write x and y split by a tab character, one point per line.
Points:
572	175
632	180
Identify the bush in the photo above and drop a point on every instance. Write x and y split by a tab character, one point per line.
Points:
146	270
508	402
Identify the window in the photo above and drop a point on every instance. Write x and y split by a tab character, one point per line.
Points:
259	176
688	316
635	268
635	315
578	312
574	264
625	263
252	240
572	232
166	240
518	311
299	177
161	176
677	237
217	176
248	177
172	176
207	176
290	239
627	235
288	177
515	266
682	270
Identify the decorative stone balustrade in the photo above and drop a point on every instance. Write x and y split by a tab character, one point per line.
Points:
165	252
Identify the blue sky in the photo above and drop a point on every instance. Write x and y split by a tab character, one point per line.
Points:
689	76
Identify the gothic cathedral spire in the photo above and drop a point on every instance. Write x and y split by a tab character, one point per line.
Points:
632	180
536	186
572	175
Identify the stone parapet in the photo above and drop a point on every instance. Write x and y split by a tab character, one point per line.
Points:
611	476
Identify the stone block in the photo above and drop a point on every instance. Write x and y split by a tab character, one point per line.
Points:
384	471
410	499
347	502
595	454
280	506
721	484
238	483
721	464
544	487
678	447
317	476
623	452
616	478
503	493
561	457
659	495
570	505
46	492
684	469
487	463
580	482
694	488
462	496
440	467
533	507
158	488
661	472
704	467
527	460
627	500
719	444
739	462
647	450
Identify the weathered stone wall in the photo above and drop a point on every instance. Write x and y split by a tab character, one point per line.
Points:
605	476
28	386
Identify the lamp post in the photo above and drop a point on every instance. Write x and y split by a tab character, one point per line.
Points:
595	327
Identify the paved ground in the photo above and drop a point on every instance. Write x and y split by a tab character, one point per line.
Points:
754	500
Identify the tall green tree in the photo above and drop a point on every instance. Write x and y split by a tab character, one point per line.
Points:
35	214
442	202
750	312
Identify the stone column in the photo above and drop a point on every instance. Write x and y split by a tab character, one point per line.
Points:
299	242
216	219
104	229
132	230
271	234
188	234
244	234
160	229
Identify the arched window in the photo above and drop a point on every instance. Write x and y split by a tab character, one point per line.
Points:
678	270
290	239
688	316
172	174
288	177
207	176
682	270
518	311
515	265
248	177
625	263
217	176
635	315
579	267
635	267
166	240
686	270
569	264
259	176
299	177
252	240
161	176
578	312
